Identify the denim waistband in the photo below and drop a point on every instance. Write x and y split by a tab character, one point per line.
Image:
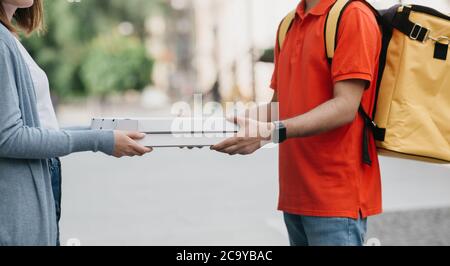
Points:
54	162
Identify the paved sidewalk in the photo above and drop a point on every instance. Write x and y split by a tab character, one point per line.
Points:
413	228
181	197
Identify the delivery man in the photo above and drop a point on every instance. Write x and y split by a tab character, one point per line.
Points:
326	190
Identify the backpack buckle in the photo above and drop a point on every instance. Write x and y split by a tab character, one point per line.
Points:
416	31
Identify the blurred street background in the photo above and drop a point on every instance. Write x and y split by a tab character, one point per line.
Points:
115	58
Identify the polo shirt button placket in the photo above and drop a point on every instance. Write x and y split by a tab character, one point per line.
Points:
299	38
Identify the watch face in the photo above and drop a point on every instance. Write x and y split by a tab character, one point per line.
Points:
280	133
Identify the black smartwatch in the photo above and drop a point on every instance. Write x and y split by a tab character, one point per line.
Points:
279	134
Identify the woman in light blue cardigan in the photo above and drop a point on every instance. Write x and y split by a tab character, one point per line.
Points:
27	201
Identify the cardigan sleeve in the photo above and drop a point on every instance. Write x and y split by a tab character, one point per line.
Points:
18	141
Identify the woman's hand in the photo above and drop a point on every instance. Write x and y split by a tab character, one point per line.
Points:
126	145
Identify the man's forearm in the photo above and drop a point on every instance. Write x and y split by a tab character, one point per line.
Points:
335	113
326	117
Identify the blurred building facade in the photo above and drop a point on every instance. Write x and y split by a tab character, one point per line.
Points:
215	44
231	34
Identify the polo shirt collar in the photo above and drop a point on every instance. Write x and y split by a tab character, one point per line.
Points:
320	9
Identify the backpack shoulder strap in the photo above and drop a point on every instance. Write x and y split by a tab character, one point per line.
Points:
332	25
284	27
331	33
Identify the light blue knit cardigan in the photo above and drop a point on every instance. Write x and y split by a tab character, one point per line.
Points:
27	212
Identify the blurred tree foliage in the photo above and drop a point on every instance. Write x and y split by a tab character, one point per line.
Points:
115	63
268	56
75	36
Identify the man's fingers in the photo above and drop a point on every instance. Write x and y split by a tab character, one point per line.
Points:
250	149
233	150
236	149
225	144
242	148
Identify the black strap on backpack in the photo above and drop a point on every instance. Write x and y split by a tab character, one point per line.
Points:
369	123
378	133
403	24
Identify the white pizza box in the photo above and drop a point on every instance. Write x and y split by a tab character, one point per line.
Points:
166	125
172	132
184	140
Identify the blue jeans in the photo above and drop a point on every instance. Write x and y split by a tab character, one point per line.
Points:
55	172
319	231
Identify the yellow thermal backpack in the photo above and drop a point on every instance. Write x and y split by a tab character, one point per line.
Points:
412	110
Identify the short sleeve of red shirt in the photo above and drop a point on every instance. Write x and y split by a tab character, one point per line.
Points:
359	33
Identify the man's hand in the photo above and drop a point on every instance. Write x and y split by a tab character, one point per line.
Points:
250	138
126	145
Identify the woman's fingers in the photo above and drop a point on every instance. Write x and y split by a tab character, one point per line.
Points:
135	135
126	145
136	147
139	149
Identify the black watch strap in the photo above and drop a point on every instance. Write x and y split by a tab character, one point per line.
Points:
279	134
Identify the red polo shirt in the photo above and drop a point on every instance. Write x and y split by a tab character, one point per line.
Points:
324	175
